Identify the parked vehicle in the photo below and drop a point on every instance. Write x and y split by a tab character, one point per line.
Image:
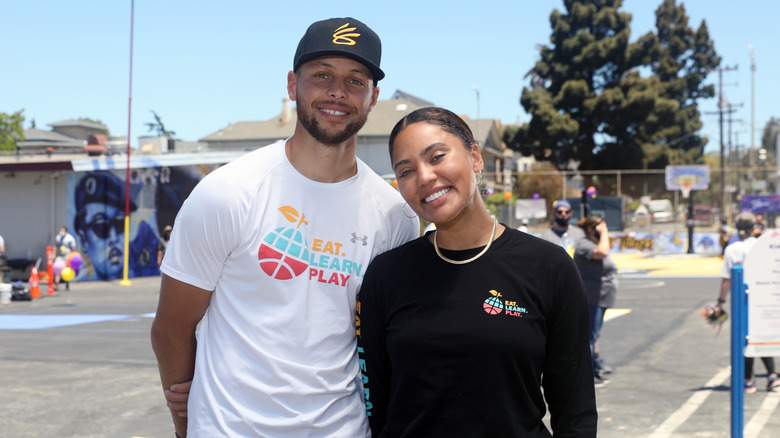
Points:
641	217
704	215
661	210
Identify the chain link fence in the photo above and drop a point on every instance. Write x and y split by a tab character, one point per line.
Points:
638	187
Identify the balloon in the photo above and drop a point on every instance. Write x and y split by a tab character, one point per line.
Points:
68	274
507	195
536	196
76	261
59	265
71	255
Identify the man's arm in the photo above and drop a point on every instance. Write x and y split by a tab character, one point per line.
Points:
179	310
725	288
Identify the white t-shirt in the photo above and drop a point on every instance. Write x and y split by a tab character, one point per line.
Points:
285	257
65	244
735	255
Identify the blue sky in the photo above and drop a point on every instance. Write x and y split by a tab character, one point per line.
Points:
204	64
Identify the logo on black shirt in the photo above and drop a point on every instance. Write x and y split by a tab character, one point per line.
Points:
495	305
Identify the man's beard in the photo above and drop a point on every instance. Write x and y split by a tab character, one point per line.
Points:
312	126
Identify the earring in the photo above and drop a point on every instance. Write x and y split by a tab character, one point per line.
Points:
480	186
407	214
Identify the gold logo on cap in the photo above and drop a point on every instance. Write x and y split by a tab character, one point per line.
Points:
343	35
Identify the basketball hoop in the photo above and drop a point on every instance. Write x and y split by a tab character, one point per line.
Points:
686	184
686	190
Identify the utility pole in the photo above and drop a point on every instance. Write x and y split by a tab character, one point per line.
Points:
731	111
721	104
741	164
752	105
729	194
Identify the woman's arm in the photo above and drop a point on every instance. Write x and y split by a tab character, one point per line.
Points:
602	250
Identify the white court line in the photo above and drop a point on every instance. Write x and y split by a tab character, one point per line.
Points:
759	419
690	406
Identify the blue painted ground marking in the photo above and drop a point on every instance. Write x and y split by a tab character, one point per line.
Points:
37	322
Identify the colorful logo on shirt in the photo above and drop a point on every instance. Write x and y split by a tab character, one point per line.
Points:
285	253
495	305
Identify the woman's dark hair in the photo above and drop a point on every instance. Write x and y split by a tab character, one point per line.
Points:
444	119
589	222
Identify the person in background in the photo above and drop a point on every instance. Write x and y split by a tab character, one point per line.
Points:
523	225
462	328
164	237
561	232
64	244
735	255
758	230
269	251
599	273
723	233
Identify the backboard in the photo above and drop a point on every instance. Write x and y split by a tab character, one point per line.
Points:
698	176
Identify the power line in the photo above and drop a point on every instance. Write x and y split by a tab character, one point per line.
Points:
722	103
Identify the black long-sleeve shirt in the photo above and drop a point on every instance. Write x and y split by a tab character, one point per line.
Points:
464	350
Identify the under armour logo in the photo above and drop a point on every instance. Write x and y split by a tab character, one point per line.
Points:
341	36
355	238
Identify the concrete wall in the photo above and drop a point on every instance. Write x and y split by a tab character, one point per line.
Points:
33	205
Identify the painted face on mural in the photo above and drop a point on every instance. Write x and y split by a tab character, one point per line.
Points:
105	239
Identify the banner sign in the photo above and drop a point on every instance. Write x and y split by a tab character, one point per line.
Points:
761	204
762	276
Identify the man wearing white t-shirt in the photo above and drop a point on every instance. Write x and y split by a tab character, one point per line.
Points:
270	251
735	255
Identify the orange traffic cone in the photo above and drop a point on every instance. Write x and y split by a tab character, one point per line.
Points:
50	269
35	290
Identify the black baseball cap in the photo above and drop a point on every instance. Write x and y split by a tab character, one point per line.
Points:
341	37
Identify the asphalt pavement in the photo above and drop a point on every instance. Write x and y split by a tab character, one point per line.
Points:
80	364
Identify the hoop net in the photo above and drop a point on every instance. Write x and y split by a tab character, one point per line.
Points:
686	183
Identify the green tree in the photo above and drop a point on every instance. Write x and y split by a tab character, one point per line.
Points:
543	179
769	142
158	126
589	102
681	59
11	130
585	101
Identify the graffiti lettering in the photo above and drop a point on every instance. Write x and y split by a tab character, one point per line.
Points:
628	242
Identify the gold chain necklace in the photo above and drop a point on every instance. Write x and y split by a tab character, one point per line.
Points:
463	262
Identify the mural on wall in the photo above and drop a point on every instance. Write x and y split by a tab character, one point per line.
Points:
671	243
96	210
